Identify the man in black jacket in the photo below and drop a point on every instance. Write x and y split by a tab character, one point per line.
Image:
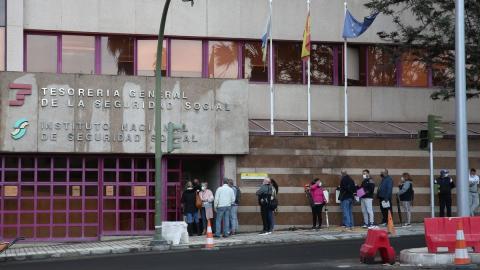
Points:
347	190
445	185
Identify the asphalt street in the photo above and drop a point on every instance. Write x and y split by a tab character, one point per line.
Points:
340	254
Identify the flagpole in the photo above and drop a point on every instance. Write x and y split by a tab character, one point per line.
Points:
309	99
345	79
272	105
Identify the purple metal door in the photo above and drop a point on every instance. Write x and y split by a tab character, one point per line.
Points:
174	189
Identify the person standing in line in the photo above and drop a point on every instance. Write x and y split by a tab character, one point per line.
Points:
405	195
234	210
224	198
196	185
366	200
347	191
273	204
473	188
264	194
318	200
190	211
384	195
206	195
445	185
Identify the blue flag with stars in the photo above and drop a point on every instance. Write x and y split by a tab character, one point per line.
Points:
353	28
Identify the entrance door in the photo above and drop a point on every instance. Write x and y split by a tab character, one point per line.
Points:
179	170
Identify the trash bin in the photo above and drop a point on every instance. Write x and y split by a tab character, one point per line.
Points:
175	232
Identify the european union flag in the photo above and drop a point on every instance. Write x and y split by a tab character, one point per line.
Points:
353	28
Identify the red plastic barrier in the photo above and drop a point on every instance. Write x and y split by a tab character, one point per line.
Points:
377	240
441	232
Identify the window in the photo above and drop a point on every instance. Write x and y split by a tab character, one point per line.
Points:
41	53
289	65
2	48
414	72
222	59
442	73
117	55
381	67
78	54
321	64
2	13
186	58
147	57
254	68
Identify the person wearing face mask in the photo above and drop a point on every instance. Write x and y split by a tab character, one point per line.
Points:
384	195
445	185
316	191
473	191
366	200
405	194
206	195
234	209
189	209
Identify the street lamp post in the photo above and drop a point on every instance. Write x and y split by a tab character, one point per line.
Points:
157	238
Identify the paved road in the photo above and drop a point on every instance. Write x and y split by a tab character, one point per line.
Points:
324	255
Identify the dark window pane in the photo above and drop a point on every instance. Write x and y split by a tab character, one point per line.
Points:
414	72
41	53
381	67
78	54
117	55
254	68
222	59
186	58
321	64
147	57
442	72
288	67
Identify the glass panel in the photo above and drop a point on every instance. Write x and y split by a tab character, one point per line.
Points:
43	204
109	177
26	205
91	190
10	219
381	67
75	176
75	204
117	55
90	217
125	191
91	163
140	222
321	61
91	204
27	191
125	204
60	176
442	72
10	232
147	57
43	176
26	219
186	58
78	54
11	176
2	48
28	162
125	176
43	232
41	53
222	59
414	72
109	204
125	221
28	176
59	204
75	218
59	232
10	204
140	163
27	232
43	218
43	191
59	162
91	176
140	204
2	13
59	218
11	162
109	221
75	231
140	177
90	231
254	68
59	191
288	64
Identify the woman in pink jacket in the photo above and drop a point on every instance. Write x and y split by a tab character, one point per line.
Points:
318	201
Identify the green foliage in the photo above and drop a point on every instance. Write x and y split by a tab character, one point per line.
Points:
430	25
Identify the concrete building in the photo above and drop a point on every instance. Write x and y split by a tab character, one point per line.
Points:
77	111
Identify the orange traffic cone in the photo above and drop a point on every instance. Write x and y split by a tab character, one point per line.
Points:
461	252
209	245
390	227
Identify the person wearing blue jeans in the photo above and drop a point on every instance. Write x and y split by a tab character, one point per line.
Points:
224	198
223	213
347	191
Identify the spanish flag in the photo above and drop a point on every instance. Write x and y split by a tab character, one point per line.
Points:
306	40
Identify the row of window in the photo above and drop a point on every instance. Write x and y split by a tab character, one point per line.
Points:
124	55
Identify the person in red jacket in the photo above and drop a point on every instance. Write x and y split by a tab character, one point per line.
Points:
318	201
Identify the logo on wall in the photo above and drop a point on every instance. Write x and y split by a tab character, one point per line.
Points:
20	129
25	89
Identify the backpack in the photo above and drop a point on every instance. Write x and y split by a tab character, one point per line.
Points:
273	202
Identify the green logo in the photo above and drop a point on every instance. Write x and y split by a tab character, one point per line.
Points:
20	129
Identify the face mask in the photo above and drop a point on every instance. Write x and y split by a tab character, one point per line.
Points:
365	176
203	187
403	179
319	184
446	174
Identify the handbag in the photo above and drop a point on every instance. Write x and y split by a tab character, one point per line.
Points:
198	201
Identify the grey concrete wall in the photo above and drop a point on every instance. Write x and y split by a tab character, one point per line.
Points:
214	112
365	104
213	18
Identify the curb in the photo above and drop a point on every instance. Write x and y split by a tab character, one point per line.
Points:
421	257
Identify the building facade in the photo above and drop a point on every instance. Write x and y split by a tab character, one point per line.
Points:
77	111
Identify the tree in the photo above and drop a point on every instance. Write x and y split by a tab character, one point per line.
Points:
429	26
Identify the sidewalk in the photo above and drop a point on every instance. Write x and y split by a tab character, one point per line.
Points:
34	251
